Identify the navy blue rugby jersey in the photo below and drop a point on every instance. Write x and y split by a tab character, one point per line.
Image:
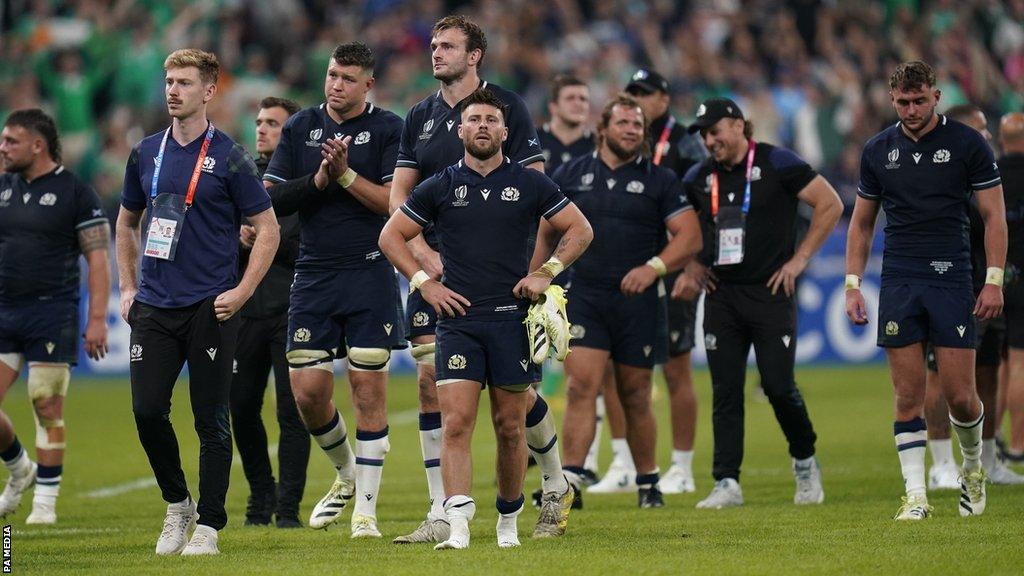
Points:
925	188
337	230
556	153
430	137
206	263
39	226
627	208
769	240
483	223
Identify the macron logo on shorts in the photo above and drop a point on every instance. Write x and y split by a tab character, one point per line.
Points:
212	353
961	329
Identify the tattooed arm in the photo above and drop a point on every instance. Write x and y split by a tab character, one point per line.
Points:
576	234
94	242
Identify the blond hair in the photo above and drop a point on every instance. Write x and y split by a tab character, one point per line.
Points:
205	62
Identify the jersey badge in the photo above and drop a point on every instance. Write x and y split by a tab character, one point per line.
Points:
941	156
510	194
460	196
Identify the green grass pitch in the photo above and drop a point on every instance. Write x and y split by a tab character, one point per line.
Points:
852	533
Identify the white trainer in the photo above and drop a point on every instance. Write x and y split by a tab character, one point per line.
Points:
42	513
203	542
808	483
430	530
677	481
619	479
458	539
10	499
725	494
1000	473
943	477
364	526
913	508
330	506
508	530
179	520
972	492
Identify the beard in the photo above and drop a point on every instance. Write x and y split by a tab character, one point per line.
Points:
9	166
620	151
483	151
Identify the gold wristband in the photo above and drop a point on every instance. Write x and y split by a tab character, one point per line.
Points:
658	265
346	179
417	280
994	276
553	267
852	282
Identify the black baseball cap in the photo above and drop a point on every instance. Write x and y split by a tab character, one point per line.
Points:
712	110
647	81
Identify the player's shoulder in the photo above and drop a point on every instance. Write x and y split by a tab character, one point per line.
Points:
881	140
305	117
697	171
423	107
780	157
385	117
508	97
957	133
573	167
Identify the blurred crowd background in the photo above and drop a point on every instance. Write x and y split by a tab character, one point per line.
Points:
811	74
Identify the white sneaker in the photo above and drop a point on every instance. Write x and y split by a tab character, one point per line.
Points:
203	542
508	530
42	513
808	483
179	520
10	499
972	492
913	508
619	479
430	530
330	506
458	539
364	526
1002	474
725	494
677	481
943	477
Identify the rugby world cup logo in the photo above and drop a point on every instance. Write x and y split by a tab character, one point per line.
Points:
316	133
428	125
460	196
6	195
894	156
587	179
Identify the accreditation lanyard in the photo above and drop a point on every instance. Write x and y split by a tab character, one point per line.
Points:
196	172
167	214
732	222
662	146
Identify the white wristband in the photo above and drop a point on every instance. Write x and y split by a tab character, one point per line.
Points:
658	265
346	179
852	282
417	280
994	276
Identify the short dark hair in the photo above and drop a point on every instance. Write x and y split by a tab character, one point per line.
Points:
563	81
35	120
912	76
623	100
274	102
475	37
355	54
962	112
486	97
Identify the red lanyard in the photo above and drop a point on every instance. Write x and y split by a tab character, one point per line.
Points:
194	182
746	190
662	146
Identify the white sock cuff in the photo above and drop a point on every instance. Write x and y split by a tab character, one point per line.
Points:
460	505
967	425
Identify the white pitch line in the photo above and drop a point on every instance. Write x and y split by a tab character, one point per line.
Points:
400	419
39	533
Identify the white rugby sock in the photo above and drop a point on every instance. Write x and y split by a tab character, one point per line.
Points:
684	460
543	444
942	452
989	454
371	447
621	453
969	434
333	439
591	462
430	446
911	438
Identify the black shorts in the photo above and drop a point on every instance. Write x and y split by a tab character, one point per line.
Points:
420	317
941	315
494	353
44	331
331	309
682	324
1013	312
632	328
991	337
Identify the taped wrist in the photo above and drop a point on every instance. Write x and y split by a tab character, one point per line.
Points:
553	267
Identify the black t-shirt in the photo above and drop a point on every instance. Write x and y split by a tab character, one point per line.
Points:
1011	167
769	239
338	231
483	223
39	226
627	208
556	153
925	189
